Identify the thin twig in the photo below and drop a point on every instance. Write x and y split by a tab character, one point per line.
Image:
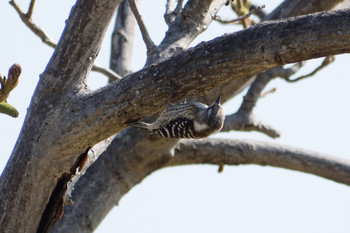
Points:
145	35
33	27
328	60
272	90
48	41
30	9
260	14
108	72
226	21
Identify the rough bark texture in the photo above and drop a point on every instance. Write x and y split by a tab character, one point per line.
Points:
202	68
114	173
38	163
60	128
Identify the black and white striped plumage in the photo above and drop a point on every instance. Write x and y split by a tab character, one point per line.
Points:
187	120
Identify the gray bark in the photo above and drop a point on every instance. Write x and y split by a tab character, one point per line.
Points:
122	40
60	128
114	173
39	163
239	152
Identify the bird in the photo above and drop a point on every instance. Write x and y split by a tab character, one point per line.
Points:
187	120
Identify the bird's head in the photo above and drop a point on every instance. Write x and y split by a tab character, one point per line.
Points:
216	115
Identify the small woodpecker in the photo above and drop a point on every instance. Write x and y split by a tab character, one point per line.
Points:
187	120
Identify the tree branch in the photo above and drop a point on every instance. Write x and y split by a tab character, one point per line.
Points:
115	173
122	174
207	66
328	60
227	21
122	40
300	7
192	21
111	75
38	31
145	35
30	9
244	119
26	19
240	121
26	199
171	11
237	152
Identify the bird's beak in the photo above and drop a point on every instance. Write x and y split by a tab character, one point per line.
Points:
218	100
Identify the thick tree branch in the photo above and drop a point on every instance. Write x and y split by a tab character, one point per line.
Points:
123	173
205	67
122	40
26	199
237	152
301	7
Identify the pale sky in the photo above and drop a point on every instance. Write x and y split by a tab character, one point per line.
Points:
312	114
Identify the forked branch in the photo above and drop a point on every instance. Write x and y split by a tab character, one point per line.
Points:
171	11
244	119
38	31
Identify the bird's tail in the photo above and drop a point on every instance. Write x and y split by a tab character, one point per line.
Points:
140	124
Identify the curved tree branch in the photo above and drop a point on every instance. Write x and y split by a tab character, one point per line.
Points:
237	152
123	173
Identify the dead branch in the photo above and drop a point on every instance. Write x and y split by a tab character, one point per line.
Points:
244	119
241	18
32	26
30	9
112	76
171	12
38	31
145	35
237	152
328	60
